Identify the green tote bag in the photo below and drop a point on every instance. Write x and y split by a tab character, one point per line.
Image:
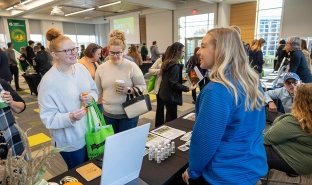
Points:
97	131
151	83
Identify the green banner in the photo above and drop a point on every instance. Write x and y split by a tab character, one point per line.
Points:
17	29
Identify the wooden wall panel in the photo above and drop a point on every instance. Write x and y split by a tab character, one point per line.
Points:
244	16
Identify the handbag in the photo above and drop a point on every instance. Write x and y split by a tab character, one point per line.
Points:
97	131
138	104
151	83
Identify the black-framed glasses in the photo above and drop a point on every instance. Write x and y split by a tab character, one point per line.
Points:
112	53
69	51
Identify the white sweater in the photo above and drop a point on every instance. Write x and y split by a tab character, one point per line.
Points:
155	70
58	95
105	77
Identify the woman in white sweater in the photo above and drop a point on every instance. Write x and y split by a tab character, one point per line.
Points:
113	94
60	100
155	70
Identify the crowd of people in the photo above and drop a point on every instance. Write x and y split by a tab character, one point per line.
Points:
227	146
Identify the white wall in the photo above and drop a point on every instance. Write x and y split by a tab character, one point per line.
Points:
296	18
224	14
159	28
46	25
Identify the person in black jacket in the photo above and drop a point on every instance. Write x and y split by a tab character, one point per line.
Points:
190	65
30	52
43	63
5	72
298	62
280	54
171	87
10	102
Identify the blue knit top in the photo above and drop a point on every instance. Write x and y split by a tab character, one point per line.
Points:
227	142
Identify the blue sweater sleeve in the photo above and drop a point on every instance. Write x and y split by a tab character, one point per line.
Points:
213	114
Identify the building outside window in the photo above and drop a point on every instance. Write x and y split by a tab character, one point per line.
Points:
268	27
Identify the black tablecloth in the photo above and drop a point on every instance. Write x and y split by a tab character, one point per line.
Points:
168	172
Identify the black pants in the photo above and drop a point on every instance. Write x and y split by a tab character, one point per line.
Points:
171	112
275	161
144	57
14	71
160	112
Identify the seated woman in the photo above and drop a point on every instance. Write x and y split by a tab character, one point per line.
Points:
10	101
288	142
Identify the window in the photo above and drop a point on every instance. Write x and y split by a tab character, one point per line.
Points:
192	29
269	17
37	38
2	41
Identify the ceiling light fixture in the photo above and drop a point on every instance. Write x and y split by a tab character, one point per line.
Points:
25	2
81	11
109	4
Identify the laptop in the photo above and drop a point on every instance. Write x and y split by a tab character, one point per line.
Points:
123	156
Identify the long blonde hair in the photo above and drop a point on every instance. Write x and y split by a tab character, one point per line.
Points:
301	108
230	55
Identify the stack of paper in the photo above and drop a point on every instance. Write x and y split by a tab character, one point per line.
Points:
168	132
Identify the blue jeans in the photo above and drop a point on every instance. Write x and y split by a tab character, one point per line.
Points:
120	125
75	158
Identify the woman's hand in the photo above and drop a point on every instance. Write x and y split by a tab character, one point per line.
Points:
192	87
77	115
85	99
185	177
122	89
6	96
272	107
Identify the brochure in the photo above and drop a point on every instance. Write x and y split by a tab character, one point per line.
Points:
153	139
195	75
190	116
168	132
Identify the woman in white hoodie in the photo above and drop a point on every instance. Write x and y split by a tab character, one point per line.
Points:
62	106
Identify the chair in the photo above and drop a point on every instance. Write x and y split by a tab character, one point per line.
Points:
266	180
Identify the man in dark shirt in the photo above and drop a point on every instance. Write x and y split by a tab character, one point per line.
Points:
30	51
42	60
13	65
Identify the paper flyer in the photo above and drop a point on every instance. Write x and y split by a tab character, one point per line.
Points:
168	132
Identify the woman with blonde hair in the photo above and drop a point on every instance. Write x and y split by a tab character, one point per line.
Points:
288	142
115	79
227	144
62	106
133	53
256	55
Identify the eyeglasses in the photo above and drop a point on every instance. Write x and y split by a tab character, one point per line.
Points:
291	82
112	53
69	51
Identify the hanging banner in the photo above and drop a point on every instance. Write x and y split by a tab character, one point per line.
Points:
17	29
